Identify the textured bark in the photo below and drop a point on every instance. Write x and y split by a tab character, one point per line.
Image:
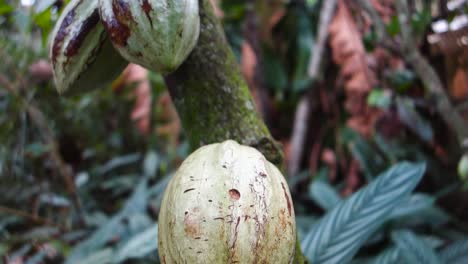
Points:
211	96
214	101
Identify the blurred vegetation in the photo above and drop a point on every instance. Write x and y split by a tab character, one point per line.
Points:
81	183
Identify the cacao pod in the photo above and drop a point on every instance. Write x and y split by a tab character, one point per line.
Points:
156	34
227	204
463	168
82	56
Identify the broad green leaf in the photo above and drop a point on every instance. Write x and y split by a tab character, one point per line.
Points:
138	246
389	256
324	194
415	204
100	256
137	203
413	249
413	120
342	231
118	162
456	253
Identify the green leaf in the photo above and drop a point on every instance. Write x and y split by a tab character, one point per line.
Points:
389	256
415	204
274	70
370	159
5	9
138	246
393	28
379	98
100	256
413	249
413	120
324	194
150	164
137	203
456	253
341	232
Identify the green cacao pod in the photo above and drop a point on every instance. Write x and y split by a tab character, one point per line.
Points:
82	56
463	168
156	34
227	204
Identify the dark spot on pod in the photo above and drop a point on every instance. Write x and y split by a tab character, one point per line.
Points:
188	190
61	34
88	25
235	194
218	218
186	212
147	8
117	25
210	201
287	199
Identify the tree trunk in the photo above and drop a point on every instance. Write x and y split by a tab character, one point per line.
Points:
213	100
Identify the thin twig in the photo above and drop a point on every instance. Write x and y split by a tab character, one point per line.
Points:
301	118
301	121
428	75
326	15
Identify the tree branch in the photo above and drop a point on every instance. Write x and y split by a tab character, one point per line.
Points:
301	118
411	54
212	98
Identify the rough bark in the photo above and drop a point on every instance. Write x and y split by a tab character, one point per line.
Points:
212	98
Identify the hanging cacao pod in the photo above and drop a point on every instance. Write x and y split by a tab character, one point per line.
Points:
82	56
227	204
156	34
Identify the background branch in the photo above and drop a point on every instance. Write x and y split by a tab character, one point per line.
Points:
411	54
315	70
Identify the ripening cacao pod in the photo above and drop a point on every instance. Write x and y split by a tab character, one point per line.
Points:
156	34
82	56
227	204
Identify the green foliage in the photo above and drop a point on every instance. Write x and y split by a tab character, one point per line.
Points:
324	195
382	211
120	175
455	253
340	234
412	249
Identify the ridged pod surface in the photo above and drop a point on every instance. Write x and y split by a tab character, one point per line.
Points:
227	204
157	34
81	54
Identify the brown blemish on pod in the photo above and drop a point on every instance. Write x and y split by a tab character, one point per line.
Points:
235	194
117	26
287	198
88	25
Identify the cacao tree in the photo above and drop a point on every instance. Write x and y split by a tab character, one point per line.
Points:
184	40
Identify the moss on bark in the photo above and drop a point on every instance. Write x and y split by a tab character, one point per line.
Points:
214	101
